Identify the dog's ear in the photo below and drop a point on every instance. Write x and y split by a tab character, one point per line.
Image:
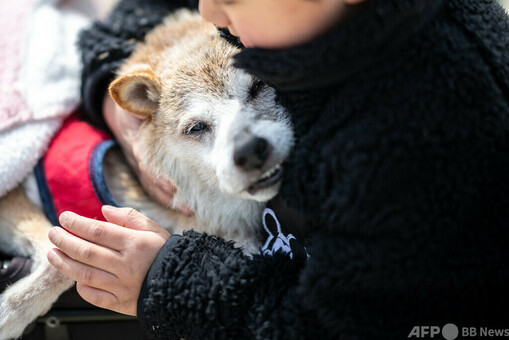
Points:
137	92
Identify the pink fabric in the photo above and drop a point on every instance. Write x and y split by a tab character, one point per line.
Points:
13	24
39	78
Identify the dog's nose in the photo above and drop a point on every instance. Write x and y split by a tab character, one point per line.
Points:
250	152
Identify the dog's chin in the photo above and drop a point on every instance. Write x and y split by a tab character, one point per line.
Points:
267	185
262	194
261	188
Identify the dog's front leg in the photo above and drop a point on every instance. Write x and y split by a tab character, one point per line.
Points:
24	231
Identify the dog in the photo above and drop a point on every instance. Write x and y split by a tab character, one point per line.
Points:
215	132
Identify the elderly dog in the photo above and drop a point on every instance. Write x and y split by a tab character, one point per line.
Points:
214	131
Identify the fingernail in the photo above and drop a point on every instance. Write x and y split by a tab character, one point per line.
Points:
64	218
51	233
51	255
186	211
168	187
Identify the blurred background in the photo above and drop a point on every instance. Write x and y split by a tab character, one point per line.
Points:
106	5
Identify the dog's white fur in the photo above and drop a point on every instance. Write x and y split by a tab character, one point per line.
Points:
179	78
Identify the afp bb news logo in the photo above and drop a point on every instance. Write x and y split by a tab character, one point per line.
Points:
450	332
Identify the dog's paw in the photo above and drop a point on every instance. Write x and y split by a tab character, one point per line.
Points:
29	298
13	320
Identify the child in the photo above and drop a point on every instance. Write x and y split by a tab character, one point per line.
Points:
397	187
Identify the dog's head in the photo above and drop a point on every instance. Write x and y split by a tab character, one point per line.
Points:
207	125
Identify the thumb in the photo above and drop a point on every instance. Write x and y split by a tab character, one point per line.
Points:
129	218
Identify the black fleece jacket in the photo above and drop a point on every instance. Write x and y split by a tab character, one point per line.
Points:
400	171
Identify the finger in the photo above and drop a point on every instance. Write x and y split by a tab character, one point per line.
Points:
83	251
166	186
81	272
129	218
160	190
98	232
163	191
185	210
159	193
104	299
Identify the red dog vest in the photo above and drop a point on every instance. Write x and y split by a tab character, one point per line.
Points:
70	176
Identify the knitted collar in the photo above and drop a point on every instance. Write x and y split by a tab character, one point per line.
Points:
372	34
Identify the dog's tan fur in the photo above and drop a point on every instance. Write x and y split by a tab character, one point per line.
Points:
24	231
182	75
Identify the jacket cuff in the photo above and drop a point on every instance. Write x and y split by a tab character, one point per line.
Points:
94	88
154	269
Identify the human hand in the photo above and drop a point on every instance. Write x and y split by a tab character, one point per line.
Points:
109	260
125	127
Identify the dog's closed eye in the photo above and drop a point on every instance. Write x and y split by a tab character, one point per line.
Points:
255	89
196	128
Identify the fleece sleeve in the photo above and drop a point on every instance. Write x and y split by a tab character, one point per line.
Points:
106	44
201	287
